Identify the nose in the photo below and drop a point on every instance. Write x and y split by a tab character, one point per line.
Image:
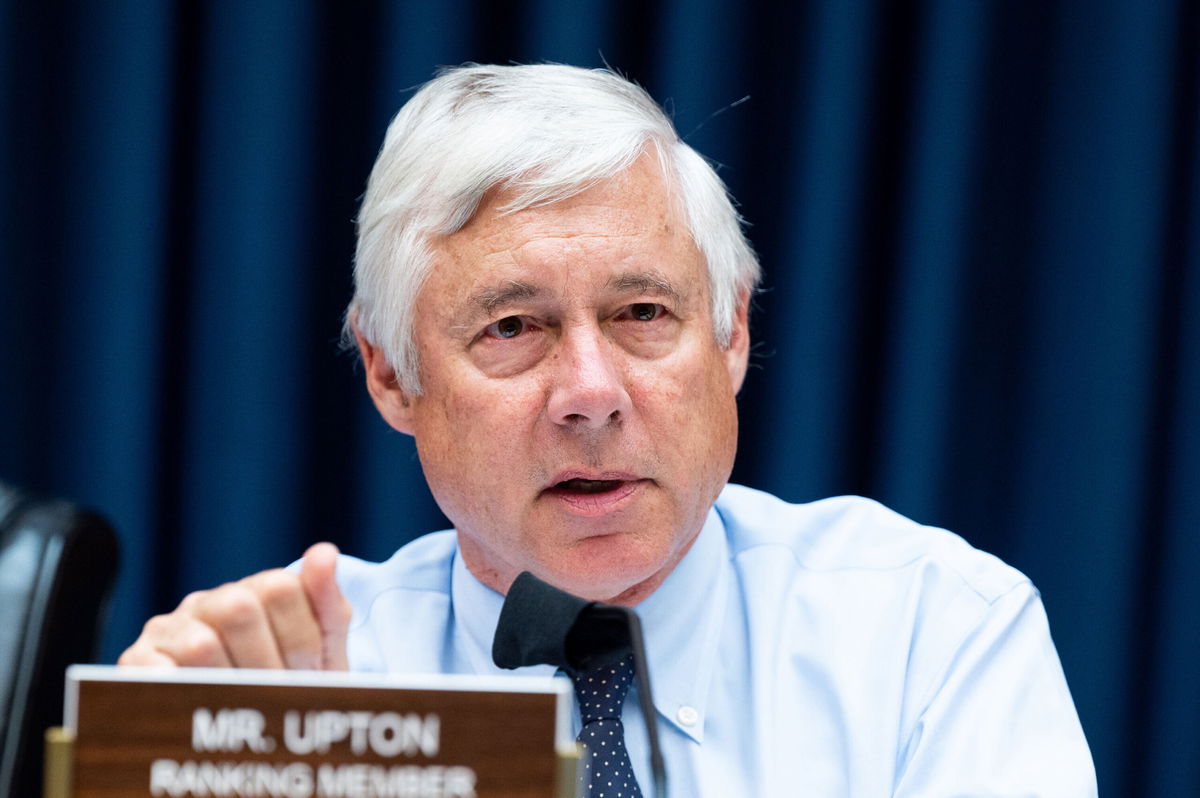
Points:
589	390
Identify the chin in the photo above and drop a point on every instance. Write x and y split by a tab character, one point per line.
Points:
590	587
615	569
626	584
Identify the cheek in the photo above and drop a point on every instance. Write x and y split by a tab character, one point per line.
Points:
468	455
692	407
473	427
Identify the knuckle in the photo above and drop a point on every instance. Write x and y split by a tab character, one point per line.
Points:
191	600
131	656
158	627
233	607
278	588
201	645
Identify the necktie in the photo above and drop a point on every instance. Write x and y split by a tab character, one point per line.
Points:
607	771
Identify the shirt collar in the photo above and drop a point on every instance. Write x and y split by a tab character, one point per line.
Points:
681	622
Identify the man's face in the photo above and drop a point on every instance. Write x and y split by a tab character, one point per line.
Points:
577	416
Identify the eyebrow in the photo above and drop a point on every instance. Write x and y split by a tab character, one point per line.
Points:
493	298
489	300
645	283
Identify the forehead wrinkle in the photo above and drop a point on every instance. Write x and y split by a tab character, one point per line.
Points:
601	218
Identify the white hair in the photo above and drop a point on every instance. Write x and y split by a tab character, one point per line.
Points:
543	132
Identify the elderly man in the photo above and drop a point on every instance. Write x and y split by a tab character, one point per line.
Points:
551	297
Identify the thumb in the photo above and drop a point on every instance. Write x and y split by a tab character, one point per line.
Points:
317	575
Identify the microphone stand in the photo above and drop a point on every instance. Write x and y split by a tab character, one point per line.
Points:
540	623
637	643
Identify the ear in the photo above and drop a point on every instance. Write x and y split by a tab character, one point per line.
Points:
737	354
390	400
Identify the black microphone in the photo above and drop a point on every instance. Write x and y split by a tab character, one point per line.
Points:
542	625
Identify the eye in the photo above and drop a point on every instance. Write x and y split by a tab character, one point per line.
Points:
507	327
645	311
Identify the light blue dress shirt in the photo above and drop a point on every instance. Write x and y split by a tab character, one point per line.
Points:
824	649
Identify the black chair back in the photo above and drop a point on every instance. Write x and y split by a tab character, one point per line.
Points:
57	566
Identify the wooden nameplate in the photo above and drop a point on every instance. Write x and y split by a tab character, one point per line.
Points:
135	732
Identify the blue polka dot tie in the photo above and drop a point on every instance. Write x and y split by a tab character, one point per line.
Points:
607	771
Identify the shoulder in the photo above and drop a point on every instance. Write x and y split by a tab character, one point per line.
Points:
851	534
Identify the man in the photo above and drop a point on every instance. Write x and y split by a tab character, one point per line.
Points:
551	297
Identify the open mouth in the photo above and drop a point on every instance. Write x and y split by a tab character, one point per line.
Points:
593	498
588	486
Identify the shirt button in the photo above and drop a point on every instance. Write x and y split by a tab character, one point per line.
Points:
687	716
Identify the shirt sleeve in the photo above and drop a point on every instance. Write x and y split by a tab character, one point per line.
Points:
999	719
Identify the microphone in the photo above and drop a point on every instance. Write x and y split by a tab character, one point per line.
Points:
542	625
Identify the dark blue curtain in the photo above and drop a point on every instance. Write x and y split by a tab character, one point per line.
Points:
978	221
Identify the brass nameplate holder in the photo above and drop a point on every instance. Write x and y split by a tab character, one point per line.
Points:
136	732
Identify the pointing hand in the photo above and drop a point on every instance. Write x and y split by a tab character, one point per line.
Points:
272	619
